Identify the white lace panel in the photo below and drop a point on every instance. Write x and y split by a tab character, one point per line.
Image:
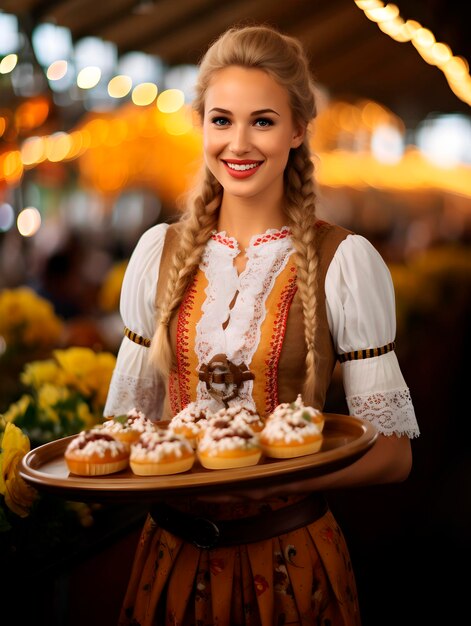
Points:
267	256
144	394
391	412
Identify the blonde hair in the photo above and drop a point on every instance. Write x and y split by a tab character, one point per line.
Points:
283	58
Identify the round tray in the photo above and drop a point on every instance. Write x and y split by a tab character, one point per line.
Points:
345	439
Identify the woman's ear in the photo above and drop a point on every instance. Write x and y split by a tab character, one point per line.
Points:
298	137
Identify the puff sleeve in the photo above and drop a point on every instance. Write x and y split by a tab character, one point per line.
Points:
361	314
135	383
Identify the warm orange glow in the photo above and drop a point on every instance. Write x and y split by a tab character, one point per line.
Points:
98	129
33	150
58	146
12	167
31	113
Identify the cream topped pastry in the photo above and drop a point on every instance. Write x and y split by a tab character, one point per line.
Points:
94	453
228	443
289	408
245	414
292	430
191	420
160	453
128	427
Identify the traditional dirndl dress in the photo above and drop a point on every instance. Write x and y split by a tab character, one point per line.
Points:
301	576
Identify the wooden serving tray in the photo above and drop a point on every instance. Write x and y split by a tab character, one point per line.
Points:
345	439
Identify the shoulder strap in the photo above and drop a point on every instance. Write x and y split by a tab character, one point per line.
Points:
170	245
329	237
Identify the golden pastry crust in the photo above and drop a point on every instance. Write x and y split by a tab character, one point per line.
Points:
161	453
190	422
292	430
93	453
228	443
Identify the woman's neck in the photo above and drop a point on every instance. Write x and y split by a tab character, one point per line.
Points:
242	220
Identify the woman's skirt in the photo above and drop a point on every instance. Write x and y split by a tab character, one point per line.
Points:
300	577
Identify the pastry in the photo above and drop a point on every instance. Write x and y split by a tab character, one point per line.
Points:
160	453
228	443
292	430
95	453
190	421
317	417
128	427
245	414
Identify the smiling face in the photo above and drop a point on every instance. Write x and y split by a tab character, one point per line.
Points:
248	132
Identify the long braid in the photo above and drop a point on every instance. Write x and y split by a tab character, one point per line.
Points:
198	225
301	197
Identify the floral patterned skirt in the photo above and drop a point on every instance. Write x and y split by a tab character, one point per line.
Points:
301	577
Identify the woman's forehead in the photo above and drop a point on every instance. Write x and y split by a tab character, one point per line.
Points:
245	88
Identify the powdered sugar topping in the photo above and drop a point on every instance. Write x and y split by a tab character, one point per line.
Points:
92	442
134	420
192	418
160	445
293	422
224	434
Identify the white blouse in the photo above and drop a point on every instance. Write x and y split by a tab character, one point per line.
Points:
361	314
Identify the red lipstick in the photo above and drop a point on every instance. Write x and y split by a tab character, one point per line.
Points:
243	168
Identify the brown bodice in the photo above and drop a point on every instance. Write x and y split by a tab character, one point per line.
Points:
279	362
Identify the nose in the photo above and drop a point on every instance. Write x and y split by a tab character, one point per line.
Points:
240	139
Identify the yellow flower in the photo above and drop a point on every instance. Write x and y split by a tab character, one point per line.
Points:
19	496
104	365
27	319
17	409
87	371
108	297
38	373
49	395
84	413
77	364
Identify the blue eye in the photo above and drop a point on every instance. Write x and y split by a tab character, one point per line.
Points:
263	122
220	121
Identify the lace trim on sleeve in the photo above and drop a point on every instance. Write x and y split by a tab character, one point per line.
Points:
391	412
126	392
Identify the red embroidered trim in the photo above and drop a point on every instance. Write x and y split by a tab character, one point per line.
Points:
229	241
276	343
172	392
281	234
183	346
226	241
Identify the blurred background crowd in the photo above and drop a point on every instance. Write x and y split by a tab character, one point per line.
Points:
98	143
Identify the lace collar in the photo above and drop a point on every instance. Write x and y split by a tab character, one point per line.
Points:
268	237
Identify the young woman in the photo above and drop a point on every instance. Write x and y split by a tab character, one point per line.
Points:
250	273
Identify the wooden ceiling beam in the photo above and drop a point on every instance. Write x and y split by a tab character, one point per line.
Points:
136	31
197	34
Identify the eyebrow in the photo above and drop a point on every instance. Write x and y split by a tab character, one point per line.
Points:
260	112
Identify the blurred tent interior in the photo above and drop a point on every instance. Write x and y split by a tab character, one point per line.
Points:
350	55
97	143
